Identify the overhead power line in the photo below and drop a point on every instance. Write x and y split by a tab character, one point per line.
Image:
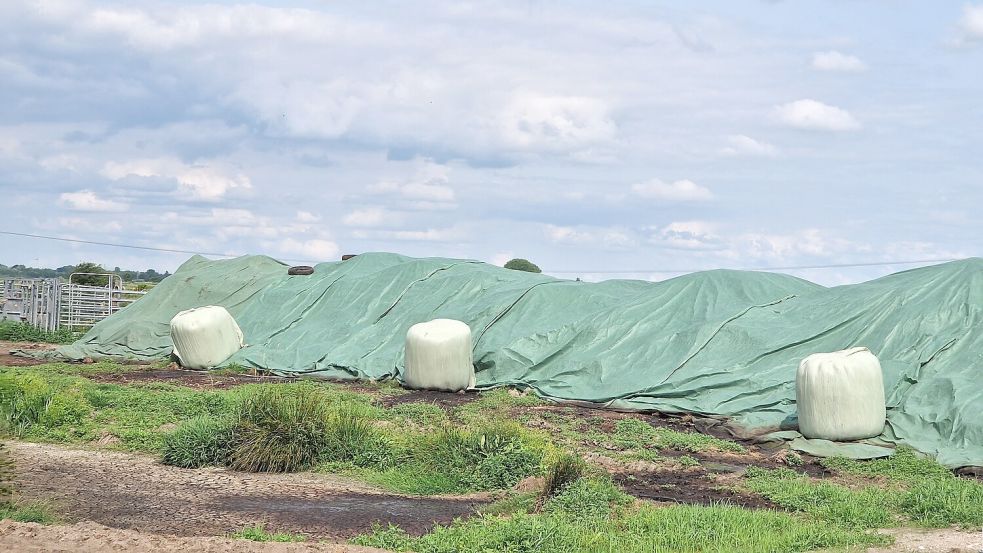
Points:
130	246
563	272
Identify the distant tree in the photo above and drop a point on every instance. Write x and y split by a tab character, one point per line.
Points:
523	265
90	280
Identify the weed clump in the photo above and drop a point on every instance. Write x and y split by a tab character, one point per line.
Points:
198	442
280	429
488	457
562	472
586	498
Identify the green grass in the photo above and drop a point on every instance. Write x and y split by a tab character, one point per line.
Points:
928	493
451	459
632	433
280	429
32	511
197	442
941	502
426	414
494	404
905	465
643	529
420	448
925	497
561	473
22	332
862	509
259	533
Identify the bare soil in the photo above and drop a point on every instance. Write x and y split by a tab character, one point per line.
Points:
693	486
145	374
918	540
97	538
135	492
8	360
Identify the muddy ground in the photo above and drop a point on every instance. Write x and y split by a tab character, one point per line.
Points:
136	492
97	538
145	374
8	360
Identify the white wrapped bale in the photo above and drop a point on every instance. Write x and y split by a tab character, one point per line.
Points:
205	337
438	356
840	395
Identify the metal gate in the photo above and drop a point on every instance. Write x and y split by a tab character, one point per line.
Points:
30	300
84	305
50	304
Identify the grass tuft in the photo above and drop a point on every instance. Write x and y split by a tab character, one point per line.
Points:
259	533
280	429
562	472
198	442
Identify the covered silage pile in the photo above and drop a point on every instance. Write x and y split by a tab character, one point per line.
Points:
717	343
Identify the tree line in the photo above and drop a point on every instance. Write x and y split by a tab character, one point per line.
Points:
21	271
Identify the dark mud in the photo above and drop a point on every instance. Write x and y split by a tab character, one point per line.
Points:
136	492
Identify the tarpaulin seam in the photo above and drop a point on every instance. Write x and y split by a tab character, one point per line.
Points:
407	289
505	311
717	331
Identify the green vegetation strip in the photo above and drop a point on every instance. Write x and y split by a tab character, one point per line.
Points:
22	332
591	515
422	448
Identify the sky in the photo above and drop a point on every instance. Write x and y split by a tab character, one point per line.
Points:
599	140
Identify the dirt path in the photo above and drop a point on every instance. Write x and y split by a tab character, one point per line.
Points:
136	492
8	360
949	540
96	538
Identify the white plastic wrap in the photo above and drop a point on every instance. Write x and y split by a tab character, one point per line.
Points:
438	356
205	337
840	395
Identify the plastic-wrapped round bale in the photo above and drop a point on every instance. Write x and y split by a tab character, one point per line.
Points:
438	356
840	395
205	336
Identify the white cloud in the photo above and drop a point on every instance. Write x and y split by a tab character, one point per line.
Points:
316	250
972	21
567	234
502	258
814	115
198	182
608	238
88	225
450	234
87	200
369	217
688	235
742	145
428	188
678	191
307	217
837	61
538	122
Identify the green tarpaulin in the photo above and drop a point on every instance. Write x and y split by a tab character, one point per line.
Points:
721	343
